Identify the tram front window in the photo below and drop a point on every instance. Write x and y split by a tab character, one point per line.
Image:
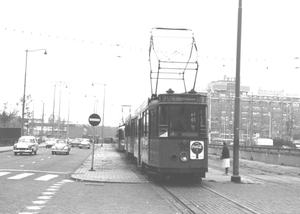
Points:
181	120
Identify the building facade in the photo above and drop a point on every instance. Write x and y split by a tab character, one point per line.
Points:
265	114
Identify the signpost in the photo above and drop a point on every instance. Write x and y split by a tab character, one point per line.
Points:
94	120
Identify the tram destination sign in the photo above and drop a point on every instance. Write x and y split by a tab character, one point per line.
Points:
182	98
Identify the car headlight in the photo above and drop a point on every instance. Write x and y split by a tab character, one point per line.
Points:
184	157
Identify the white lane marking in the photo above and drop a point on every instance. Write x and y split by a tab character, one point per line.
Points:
42	159
44	197
48	193
33	162
46	177
22	165
39	202
34	207
32	170
4	173
51	189
20	176
57	187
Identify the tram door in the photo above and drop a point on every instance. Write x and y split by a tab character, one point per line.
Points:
140	134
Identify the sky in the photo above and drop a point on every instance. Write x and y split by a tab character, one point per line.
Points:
107	42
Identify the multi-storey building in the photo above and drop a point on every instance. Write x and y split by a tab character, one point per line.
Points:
270	114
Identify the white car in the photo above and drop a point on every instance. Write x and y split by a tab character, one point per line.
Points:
85	143
61	146
50	142
26	144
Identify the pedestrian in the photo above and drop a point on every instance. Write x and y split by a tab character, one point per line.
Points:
225	157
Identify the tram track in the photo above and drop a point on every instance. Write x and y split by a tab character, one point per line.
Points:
198	198
201	197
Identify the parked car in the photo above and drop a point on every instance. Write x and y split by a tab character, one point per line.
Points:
26	144
75	142
61	146
85	143
50	142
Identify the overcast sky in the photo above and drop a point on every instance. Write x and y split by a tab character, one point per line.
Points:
107	42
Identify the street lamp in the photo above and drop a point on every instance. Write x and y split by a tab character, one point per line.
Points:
104	85
53	117
24	92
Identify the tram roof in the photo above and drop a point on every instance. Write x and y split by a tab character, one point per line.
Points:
171	98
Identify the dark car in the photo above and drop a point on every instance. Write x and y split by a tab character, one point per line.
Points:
109	140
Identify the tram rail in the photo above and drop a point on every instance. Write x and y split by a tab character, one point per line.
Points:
199	198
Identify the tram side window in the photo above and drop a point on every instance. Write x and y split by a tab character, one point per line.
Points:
127	130
132	124
153	123
163	121
145	124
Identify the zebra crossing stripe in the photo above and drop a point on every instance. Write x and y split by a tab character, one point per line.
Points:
20	176
46	177
4	173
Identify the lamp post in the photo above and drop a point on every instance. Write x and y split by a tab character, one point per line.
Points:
270	125
53	117
42	129
24	92
104	85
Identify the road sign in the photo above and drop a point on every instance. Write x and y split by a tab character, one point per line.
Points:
94	119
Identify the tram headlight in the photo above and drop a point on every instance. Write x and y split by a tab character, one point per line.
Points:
184	157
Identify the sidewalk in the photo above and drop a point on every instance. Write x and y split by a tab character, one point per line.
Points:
112	167
6	148
109	166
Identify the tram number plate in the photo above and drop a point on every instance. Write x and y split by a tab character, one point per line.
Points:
184	148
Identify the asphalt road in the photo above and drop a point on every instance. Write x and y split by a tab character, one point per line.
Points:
27	180
41	184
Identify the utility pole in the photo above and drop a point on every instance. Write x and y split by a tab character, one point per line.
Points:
43	120
235	177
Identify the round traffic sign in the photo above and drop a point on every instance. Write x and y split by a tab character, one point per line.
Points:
94	119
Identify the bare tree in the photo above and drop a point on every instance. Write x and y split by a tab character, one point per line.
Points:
5	116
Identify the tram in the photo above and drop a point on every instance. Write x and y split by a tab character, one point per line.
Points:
168	134
120	139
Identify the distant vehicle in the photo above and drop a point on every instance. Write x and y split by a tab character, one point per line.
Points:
50	142
264	142
75	142
26	144
109	140
85	143
296	144
221	140
61	146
